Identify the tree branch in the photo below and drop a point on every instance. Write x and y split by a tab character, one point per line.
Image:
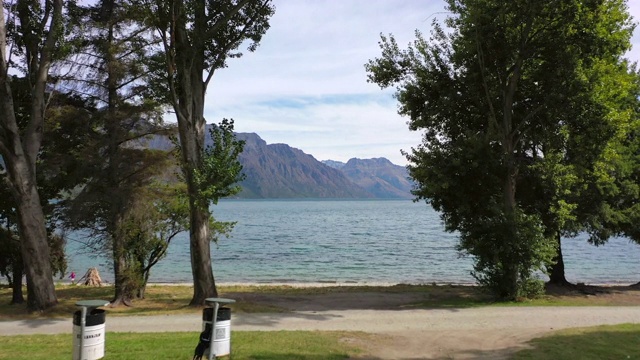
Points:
170	60
231	43
4	73
33	133
227	17
493	117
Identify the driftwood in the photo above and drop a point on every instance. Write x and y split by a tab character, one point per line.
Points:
91	278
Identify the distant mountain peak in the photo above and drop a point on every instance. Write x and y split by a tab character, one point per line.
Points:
377	161
334	164
380	177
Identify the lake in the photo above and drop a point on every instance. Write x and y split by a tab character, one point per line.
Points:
350	241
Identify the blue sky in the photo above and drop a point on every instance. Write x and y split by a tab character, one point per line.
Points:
306	84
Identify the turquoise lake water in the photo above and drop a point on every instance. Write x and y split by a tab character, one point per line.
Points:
350	241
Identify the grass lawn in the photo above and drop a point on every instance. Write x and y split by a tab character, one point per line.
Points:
601	342
280	345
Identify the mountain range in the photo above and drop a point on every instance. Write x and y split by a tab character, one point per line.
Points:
281	171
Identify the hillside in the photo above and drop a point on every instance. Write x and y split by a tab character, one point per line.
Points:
379	177
280	171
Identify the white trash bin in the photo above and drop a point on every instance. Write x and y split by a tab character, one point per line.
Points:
222	332
92	340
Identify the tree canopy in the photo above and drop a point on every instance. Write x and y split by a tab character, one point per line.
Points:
512	104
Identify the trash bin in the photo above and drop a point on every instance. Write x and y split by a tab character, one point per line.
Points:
89	330
221	332
92	340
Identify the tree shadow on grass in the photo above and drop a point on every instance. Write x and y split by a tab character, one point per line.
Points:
400	297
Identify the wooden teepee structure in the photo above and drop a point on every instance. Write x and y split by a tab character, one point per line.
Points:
91	278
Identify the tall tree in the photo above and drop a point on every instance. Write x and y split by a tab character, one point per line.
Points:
496	98
611	206
198	37
597	186
35	30
113	69
63	136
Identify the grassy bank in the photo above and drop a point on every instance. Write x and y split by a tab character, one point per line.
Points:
280	345
164	299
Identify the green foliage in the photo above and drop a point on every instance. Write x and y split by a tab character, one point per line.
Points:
507	251
517	108
158	213
220	170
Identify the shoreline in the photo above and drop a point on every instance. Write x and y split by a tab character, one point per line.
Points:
353	284
317	284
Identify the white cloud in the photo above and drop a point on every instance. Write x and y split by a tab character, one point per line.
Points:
362	127
306	84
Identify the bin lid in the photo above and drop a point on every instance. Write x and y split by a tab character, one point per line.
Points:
92	303
211	301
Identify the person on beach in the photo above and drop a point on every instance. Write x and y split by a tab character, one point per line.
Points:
73	278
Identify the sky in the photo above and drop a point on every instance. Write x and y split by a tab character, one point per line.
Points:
306	84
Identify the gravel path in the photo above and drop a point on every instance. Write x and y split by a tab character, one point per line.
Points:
474	333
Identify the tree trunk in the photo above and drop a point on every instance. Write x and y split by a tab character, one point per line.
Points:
142	289
122	287
16	284
191	126
35	252
33	234
204	285
509	192
557	275
140	292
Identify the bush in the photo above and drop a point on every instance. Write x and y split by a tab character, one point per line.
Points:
508	250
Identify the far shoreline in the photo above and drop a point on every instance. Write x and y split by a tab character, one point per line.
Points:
320	284
359	284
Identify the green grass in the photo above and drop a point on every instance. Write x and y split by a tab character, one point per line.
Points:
159	300
597	343
274	345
